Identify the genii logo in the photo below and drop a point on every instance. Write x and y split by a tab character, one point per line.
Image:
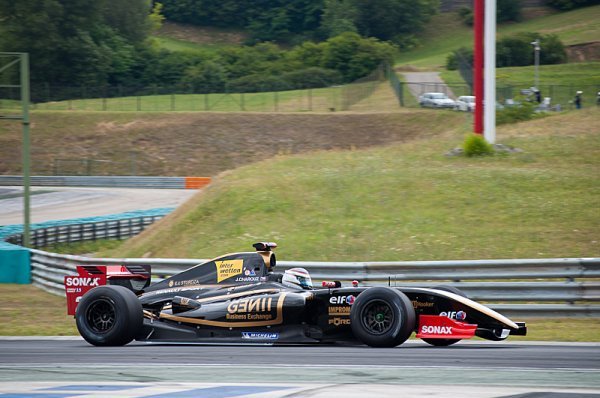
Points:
82	281
349	300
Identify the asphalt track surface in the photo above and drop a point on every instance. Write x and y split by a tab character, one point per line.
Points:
69	367
59	203
468	369
477	354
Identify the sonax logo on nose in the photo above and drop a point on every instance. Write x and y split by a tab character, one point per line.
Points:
436	329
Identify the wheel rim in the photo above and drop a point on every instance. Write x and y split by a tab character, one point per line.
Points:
100	315
377	317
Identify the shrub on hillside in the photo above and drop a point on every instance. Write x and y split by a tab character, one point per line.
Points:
312	78
354	56
476	145
522	112
466	15
207	77
257	83
460	56
570	4
508	10
515	50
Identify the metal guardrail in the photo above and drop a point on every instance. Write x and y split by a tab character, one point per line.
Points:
89	231
521	287
108	181
539	293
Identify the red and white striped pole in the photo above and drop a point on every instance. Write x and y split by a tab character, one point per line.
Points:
478	14
489	131
485	86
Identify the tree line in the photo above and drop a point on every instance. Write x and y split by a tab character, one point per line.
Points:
514	50
295	21
106	42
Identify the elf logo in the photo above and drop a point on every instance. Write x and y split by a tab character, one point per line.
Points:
342	299
436	329
82	281
458	315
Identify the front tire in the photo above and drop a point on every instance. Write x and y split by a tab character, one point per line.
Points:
441	342
382	317
109	316
445	342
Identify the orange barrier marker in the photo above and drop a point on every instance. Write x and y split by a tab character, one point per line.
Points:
196	182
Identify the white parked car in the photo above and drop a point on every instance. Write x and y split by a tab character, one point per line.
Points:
436	100
465	103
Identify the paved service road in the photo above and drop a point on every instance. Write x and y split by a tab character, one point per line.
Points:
60	203
425	82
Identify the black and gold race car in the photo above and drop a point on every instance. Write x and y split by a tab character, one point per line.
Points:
238	298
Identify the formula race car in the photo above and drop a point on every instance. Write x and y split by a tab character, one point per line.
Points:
238	298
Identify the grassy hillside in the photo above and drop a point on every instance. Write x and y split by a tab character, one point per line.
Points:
404	201
565	80
205	143
446	33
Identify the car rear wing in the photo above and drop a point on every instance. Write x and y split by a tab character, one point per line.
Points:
134	277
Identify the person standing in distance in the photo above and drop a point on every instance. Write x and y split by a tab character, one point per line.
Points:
578	99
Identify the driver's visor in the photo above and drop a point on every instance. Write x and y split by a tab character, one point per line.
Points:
305	281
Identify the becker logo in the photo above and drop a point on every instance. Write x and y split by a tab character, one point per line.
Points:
342	299
92	282
436	329
458	315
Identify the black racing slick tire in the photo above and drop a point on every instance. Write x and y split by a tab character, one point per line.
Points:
382	317
441	342
109	316
445	342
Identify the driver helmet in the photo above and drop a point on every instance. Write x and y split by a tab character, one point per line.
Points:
298	278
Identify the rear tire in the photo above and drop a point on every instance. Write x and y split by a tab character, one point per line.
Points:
109	316
382	317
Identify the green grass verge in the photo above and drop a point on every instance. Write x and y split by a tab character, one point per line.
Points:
403	202
321	99
29	311
560	82
83	247
570	75
446	33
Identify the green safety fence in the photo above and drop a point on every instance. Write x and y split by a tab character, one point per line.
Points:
15	264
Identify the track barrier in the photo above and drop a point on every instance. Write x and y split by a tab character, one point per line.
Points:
109	181
553	287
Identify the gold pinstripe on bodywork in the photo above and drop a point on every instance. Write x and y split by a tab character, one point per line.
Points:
278	319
